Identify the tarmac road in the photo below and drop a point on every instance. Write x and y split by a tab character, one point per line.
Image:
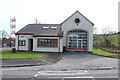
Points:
74	65
36	75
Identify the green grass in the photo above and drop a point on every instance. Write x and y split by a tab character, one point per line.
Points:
113	39
101	52
21	55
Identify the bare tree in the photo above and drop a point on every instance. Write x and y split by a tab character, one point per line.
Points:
95	30
4	34
36	21
94	37
106	31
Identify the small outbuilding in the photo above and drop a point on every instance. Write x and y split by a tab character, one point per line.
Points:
74	34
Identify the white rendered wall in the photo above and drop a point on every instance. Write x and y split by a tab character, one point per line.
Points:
36	48
61	45
16	42
23	37
85	25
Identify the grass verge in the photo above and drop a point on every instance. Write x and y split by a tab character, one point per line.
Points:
101	52
21	55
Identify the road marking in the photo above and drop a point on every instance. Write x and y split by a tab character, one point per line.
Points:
39	72
73	77
10	69
36	75
58	73
63	71
62	74
86	71
21	68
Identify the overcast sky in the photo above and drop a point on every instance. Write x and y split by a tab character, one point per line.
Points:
103	13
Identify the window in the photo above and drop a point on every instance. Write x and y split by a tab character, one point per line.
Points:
53	28
47	42
45	27
77	20
21	42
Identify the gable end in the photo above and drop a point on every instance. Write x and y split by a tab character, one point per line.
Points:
80	14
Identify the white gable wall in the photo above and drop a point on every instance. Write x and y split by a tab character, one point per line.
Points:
83	25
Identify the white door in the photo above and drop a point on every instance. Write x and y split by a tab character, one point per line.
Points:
81	44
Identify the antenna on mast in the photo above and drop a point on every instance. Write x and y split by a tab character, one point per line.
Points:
13	27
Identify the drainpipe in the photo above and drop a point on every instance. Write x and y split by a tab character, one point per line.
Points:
18	42
59	44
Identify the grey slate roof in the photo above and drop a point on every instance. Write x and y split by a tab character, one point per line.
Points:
38	29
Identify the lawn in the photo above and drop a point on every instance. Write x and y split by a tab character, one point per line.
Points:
21	55
101	52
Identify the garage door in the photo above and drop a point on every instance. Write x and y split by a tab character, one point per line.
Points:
77	40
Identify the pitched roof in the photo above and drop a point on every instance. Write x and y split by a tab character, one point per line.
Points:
80	14
41	29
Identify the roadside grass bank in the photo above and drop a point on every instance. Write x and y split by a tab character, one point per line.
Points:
104	53
21	55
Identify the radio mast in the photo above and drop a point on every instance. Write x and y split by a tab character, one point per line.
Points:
13	27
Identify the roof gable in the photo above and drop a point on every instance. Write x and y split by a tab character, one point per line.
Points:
81	15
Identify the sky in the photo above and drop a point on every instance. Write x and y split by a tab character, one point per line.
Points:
103	13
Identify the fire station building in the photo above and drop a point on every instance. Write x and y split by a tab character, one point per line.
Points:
73	34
